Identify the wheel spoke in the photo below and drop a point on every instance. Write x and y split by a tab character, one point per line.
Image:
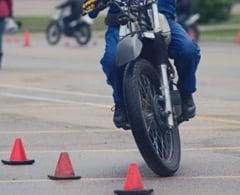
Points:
158	134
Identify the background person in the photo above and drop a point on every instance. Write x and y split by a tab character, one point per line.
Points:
5	11
75	14
184	8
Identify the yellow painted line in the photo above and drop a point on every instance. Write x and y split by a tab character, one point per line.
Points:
206	177
86	130
78	151
221	120
222	177
237	148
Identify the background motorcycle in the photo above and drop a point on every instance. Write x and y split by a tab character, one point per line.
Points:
80	29
152	101
190	25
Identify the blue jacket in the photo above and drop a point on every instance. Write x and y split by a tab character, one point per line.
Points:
166	6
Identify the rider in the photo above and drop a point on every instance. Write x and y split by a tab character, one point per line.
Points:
75	13
184	52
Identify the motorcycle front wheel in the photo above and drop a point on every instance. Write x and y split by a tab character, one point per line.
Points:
53	33
159	145
83	34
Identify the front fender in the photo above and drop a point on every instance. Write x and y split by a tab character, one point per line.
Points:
128	49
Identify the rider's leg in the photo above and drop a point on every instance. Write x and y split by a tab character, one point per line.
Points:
186	55
67	21
109	64
114	75
69	28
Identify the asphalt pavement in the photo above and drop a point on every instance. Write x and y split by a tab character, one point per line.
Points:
56	99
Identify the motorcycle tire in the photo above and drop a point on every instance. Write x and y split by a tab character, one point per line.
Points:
151	137
53	33
84	34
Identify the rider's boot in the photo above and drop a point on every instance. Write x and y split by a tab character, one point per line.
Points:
188	106
120	117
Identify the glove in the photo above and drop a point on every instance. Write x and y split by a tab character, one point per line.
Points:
94	5
89	5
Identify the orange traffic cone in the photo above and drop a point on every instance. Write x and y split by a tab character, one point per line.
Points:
18	155
8	39
64	169
133	184
26	38
238	37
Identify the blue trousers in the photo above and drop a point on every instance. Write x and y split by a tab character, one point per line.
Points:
184	52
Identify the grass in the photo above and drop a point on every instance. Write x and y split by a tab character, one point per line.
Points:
219	35
34	23
225	33
234	19
99	23
39	24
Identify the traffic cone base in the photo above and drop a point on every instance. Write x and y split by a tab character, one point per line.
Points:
64	169
18	155
134	192
64	178
133	184
18	162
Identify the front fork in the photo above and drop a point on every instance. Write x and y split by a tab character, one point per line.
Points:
167	95
161	59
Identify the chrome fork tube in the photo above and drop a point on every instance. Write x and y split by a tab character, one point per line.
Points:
166	91
156	21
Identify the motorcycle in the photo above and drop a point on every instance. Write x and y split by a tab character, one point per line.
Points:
191	26
80	29
11	25
152	100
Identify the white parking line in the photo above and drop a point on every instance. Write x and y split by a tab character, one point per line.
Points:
133	150
219	177
55	91
54	100
62	131
97	105
221	120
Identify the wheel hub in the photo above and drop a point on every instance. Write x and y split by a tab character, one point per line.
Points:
159	114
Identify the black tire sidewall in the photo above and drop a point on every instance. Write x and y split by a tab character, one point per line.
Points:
51	25
133	107
89	33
